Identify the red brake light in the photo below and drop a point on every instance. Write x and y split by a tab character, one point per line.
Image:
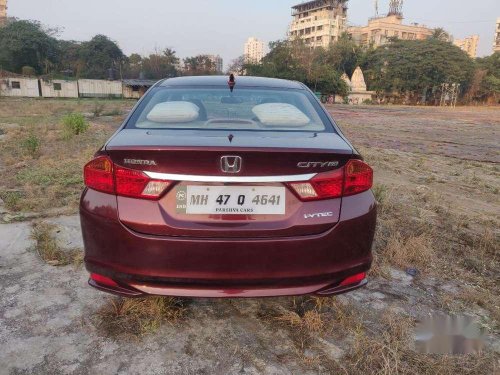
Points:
102	175
358	177
98	175
354	178
129	182
324	186
136	184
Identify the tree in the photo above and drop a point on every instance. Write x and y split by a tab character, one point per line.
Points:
160	64
284	60
411	67
491	64
440	34
327	80
98	56
133	68
26	43
486	83
237	66
296	61
344	55
199	65
69	61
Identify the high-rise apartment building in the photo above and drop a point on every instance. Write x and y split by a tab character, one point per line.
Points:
254	50
468	44
318	23
496	42
3	12
218	62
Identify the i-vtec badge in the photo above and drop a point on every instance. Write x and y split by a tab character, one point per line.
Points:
317	164
318	215
139	162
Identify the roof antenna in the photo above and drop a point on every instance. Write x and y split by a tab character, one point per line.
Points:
231	82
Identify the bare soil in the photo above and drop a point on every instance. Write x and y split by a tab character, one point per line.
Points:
437	180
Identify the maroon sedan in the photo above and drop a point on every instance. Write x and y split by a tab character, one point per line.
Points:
213	188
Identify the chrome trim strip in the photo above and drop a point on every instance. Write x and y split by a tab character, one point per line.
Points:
192	178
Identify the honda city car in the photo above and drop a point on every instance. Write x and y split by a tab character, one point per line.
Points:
217	188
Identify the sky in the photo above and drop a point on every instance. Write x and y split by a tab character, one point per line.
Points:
221	27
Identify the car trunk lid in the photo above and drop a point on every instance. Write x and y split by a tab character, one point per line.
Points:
194	161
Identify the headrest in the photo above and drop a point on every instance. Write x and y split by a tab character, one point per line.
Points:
174	112
280	114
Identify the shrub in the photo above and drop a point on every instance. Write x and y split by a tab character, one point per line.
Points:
28	71
75	124
31	145
98	109
136	317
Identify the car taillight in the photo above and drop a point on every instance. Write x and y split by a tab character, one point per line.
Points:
102	175
136	184
98	175
323	186
354	178
358	177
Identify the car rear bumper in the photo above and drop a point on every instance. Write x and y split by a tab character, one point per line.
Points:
231	267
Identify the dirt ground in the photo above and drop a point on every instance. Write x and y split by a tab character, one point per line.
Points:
436	252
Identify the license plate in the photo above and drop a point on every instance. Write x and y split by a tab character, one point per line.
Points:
231	200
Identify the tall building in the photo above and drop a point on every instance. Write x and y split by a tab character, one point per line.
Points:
318	23
3	12
468	44
254	50
380	29
496	42
218	62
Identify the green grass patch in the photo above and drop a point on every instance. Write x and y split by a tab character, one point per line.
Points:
67	175
11	199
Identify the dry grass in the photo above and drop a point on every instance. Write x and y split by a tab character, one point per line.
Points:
135	317
372	342
381	347
388	350
439	242
52	180
307	318
404	235
412	251
311	321
48	250
478	296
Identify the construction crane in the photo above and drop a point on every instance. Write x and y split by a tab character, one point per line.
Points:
396	8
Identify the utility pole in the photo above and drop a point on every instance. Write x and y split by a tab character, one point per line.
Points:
449	94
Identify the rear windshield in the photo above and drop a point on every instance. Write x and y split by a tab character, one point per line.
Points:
218	109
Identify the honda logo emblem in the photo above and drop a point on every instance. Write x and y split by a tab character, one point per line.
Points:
230	164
